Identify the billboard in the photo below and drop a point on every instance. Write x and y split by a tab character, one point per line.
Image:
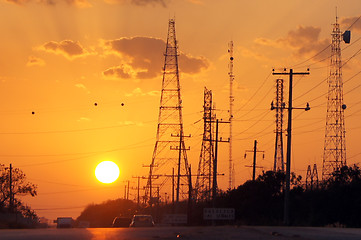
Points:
219	213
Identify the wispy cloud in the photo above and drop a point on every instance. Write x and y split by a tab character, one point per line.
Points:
67	48
35	61
139	92
305	41
118	72
163	3
131	123
83	87
77	3
83	119
355	22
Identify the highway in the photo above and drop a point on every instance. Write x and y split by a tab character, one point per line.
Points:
189	233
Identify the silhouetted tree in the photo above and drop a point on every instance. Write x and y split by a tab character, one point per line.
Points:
20	187
260	202
102	215
337	202
344	176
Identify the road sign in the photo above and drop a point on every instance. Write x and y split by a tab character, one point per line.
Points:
218	213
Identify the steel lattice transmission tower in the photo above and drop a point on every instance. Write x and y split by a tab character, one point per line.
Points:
231	99
311	178
279	106
169	151
203	188
334	152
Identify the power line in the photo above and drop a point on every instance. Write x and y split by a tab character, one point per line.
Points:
353	23
327	48
254	94
58	208
254	124
311	57
130	146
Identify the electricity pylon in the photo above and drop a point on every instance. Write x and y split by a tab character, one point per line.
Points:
203	188
311	178
169	151
334	151
280	105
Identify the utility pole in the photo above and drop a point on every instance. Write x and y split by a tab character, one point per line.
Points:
190	199
173	188
138	189
286	212
125	191
255	151
11	197
128	191
150	183
214	187
180	150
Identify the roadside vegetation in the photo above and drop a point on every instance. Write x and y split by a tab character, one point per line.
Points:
335	202
13	213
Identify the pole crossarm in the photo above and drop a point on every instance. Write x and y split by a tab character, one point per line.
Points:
291	73
254	151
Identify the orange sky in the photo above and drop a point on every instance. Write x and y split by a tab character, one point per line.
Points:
58	58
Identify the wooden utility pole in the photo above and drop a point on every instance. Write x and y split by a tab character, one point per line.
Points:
138	189
190	199
215	162
286	212
254	166
11	197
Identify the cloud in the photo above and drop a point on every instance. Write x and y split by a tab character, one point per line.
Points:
138	92
68	48
145	56
131	123
354	21
305	41
119	72
196	2
83	119
19	2
163	3
83	87
193	64
77	3
252	53
34	61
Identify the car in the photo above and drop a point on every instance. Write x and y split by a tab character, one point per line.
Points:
121	222
142	221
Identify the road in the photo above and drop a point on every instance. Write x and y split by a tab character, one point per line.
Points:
187	233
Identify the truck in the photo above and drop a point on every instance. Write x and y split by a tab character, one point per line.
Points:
64	222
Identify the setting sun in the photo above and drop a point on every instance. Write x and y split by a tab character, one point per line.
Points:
107	172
